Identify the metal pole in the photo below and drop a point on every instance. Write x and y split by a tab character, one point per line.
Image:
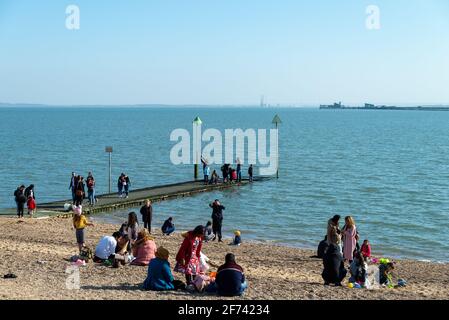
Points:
277	151
110	171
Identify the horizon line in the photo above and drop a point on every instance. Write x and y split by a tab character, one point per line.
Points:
277	105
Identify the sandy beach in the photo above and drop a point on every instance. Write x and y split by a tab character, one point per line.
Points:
36	251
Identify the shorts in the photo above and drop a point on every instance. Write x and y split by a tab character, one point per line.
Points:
80	235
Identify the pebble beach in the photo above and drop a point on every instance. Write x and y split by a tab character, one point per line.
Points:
37	252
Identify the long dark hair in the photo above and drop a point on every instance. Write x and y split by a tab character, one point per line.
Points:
132	219
198	231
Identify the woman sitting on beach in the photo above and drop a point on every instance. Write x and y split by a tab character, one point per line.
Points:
349	238
188	257
208	233
334	269
144	249
159	276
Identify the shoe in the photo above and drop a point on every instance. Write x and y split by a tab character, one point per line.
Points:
326	283
213	239
220	240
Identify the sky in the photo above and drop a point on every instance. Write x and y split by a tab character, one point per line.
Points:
224	52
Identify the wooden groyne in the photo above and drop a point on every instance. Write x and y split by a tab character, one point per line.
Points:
112	202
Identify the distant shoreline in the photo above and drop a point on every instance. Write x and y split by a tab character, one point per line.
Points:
389	108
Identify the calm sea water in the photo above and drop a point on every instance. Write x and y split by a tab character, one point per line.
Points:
388	169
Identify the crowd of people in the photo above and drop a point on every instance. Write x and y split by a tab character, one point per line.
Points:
135	245
78	187
341	246
229	174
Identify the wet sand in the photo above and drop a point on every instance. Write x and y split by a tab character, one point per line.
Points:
36	251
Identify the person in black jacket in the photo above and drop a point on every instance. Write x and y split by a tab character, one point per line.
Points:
79	191
250	173
29	192
19	197
334	268
217	219
322	248
147	214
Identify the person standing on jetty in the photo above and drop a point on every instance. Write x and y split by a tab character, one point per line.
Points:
19	197
224	172
217	219
349	238
72	186
120	185
126	185
239	171
80	191
90	181
147	215
250	173
206	172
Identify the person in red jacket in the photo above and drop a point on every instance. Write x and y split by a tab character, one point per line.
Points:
31	204
188	257
366	249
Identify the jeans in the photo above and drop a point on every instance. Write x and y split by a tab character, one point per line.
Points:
169	230
127	189
239	176
91	196
212	288
206	179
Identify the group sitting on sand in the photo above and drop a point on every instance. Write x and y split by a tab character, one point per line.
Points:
133	246
340	246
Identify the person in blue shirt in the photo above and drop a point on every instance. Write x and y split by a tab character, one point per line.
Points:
159	276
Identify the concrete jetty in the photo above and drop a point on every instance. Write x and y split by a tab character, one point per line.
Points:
112	202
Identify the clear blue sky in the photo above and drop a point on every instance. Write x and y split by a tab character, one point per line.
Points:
224	52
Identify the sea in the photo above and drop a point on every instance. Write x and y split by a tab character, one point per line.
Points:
387	169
